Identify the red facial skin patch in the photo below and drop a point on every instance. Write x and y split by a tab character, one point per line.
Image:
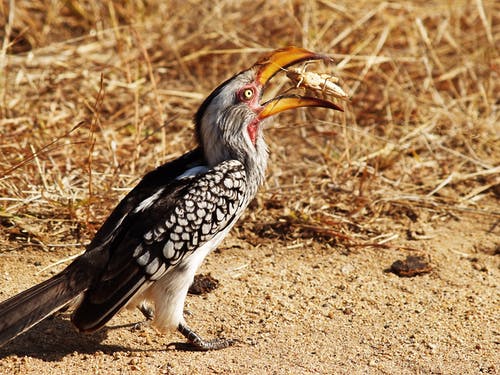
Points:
252	102
252	130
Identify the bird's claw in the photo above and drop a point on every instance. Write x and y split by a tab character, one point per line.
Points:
203	345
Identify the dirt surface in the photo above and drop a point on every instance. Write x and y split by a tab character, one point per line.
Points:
297	307
93	95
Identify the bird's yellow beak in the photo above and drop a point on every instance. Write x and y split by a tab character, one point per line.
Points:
282	103
279	60
282	58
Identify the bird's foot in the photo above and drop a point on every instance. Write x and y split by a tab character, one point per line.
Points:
147	311
149	314
141	326
201	344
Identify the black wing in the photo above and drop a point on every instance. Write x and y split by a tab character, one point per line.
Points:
164	175
156	234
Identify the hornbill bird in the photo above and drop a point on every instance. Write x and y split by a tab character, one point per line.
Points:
149	248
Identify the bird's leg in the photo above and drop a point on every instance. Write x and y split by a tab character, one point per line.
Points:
201	344
148	313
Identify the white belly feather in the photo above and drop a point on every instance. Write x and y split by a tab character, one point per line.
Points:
168	294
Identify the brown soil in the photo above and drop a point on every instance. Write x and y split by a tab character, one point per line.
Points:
95	94
297	308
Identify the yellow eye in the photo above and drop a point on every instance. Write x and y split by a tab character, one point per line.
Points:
247	94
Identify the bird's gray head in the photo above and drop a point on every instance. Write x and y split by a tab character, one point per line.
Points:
229	122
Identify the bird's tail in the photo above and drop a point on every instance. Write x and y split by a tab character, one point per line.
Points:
22	311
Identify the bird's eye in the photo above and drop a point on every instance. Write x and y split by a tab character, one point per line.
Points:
247	94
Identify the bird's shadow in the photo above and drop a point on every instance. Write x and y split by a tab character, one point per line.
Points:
56	337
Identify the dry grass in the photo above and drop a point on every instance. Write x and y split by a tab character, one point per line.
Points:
93	96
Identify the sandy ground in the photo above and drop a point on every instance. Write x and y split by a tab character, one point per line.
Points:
297	307
94	94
